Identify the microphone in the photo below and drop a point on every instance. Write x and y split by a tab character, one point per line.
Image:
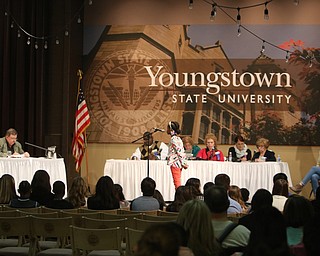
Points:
158	129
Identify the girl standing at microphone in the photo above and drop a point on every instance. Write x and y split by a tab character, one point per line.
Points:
210	152
176	157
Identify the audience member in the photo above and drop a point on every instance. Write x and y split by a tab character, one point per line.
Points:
268	235
245	196
224	181
297	212
316	202
195	183
191	149
209	184
122	200
58	201
235	194
157	195
41	188
211	152
280	194
7	189
263	153
24	200
146	202
311	236
10	146
278	176
163	240
78	192
237	237
150	148
313	175
105	196
260	199
240	151
182	195
176	157
195	218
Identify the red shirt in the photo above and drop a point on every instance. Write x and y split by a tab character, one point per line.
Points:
213	155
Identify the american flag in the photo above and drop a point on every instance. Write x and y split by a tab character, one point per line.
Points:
82	121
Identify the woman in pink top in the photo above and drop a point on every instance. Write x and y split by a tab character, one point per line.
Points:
210	152
176	157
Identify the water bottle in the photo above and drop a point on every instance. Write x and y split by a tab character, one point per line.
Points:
278	158
230	157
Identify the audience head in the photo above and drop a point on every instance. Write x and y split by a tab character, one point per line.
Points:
206	186
187	142
311	236
222	180
41	181
245	194
260	199
217	199
235	194
280	187
78	192
24	189
195	218
161	240
119	192
105	187
279	176
268	234
297	211
194	182
148	186
157	195
184	194
318	193
173	128
58	188
7	188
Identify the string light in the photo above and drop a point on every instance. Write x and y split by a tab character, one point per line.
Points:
238	17
36	45
90	2
296	2
266	12
45	46
28	41
18	33
79	19
239	30
66	33
213	12
11	25
287	57
57	41
190	4
263	47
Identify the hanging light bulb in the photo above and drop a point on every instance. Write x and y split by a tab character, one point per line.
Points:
5	14
287	57
238	17
296	2
28	41
45	46
239	30
57	41
18	33
66	33
90	2
36	45
79	19
213	12
266	12
263	48
190	4
12	25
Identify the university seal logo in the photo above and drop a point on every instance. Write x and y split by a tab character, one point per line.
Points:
121	102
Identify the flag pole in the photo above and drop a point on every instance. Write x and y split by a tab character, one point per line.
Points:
79	74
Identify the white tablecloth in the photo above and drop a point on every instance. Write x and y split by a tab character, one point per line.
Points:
129	173
24	168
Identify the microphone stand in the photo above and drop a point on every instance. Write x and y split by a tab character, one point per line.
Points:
148	151
45	149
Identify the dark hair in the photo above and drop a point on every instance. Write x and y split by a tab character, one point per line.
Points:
58	187
216	198
260	199
148	186
279	176
222	180
311	236
119	192
182	195
238	137
208	185
245	194
106	192
157	195
41	180
280	187
173	125
24	187
297	211
194	182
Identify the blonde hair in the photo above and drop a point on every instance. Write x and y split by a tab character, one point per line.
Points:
211	136
263	142
195	218
78	192
187	139
235	194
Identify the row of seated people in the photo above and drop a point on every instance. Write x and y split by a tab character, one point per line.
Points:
238	153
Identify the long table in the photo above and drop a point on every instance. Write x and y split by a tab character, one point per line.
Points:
129	173
24	168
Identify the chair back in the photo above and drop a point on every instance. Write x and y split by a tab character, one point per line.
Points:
87	240
141	224
132	238
77	217
159	218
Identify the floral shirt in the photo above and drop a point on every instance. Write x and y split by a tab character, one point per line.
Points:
176	155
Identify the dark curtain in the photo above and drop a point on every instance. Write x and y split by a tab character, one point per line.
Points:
38	86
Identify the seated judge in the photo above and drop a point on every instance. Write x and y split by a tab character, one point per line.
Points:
263	154
157	149
190	147
240	152
210	152
10	146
